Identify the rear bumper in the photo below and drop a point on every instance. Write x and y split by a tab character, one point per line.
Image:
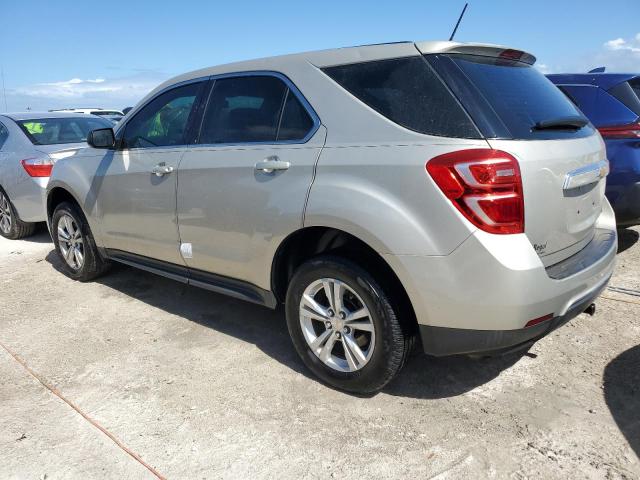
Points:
442	341
481	297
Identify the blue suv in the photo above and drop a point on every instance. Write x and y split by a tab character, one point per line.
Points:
612	102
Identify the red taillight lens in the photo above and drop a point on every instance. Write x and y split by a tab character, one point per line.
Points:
510	54
485	185
38	167
631	130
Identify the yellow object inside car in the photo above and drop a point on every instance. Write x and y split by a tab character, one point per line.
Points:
34	127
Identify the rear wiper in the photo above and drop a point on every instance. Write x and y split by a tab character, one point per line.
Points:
561	123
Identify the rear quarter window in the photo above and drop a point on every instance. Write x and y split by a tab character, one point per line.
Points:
629	94
409	93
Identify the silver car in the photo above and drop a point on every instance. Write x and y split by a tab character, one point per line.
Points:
431	193
30	143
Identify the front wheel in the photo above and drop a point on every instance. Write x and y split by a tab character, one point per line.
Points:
75	245
343	325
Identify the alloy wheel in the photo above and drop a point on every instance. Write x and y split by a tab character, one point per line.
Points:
337	325
6	219
71	242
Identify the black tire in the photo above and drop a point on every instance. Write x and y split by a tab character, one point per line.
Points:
18	228
93	265
392	345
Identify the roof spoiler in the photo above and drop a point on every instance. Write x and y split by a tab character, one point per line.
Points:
481	49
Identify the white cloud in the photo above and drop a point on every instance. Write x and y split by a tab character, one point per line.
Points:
543	67
622	44
96	92
616	55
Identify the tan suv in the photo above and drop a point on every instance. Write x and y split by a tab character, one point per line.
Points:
437	191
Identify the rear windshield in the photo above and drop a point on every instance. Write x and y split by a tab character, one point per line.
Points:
514	95
408	92
54	131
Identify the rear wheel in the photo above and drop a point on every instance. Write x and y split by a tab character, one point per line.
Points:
343	325
75	245
11	226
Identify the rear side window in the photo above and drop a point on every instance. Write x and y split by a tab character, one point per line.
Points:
4	134
253	109
635	84
243	109
519	95
163	121
408	92
296	121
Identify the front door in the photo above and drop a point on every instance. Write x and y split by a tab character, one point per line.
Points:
242	188
137	197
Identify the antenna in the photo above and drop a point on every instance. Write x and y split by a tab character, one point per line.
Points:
453	34
4	92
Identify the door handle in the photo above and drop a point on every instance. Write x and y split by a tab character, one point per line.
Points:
162	169
271	164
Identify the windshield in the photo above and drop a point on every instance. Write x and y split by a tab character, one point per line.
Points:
521	98
107	112
54	131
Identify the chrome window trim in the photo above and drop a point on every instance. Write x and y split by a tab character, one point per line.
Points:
292	88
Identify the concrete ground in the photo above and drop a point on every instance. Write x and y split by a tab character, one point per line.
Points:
196	385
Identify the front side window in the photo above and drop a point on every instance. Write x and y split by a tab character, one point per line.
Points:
163	121
249	109
54	131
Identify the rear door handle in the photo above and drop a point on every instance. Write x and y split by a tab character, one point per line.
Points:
162	169
271	164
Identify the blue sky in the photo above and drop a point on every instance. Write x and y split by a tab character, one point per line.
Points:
109	54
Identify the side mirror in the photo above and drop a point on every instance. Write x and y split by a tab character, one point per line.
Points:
101	138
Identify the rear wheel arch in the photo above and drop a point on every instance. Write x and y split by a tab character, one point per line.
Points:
310	242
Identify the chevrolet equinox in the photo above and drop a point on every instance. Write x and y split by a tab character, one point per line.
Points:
433	193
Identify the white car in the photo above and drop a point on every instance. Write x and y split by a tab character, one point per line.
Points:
30	143
114	116
92	111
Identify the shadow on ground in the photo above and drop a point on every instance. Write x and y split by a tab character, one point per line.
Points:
41	235
622	394
422	377
627	238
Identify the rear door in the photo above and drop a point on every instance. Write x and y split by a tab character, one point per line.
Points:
562	158
137	197
243	186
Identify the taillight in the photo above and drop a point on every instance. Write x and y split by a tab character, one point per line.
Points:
485	185
510	54
38	167
631	130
